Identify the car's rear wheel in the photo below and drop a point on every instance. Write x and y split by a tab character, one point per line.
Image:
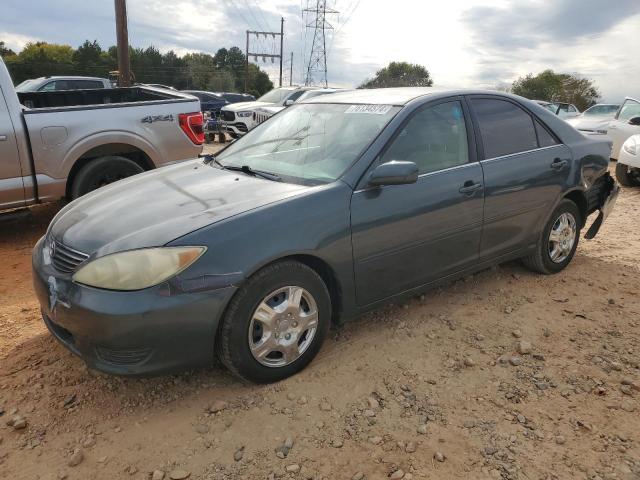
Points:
627	176
103	171
276	323
559	240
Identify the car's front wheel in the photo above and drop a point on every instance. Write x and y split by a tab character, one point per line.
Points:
276	323
559	240
627	176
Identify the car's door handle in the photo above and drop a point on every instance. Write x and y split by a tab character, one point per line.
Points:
559	163
469	188
3	138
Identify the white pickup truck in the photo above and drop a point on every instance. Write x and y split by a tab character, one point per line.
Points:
64	144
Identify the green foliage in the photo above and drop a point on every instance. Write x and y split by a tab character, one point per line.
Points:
225	71
557	87
400	74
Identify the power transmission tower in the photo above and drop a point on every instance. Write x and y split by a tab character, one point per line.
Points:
317	68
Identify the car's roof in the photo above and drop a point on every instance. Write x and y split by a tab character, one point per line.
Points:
70	77
395	96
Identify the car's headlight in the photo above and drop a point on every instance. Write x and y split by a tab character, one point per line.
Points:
631	146
137	269
244	114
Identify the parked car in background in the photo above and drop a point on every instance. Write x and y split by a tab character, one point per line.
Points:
54	84
67	143
594	120
238	118
628	166
262	113
236	97
562	110
625	124
356	199
209	101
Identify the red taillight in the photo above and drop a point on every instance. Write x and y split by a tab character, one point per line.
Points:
193	125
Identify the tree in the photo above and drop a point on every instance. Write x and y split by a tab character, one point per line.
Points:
400	74
5	51
557	87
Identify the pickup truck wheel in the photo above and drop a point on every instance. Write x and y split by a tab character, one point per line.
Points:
627	176
103	171
275	324
559	240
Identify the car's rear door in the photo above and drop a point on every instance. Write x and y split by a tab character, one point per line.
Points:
620	129
525	170
11	183
404	236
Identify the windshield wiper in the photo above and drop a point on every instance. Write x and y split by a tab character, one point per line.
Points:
250	171
208	159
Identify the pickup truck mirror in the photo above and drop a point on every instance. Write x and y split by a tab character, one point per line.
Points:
634	121
394	173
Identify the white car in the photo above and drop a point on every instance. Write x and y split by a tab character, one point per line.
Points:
237	118
263	113
625	124
563	110
628	167
594	120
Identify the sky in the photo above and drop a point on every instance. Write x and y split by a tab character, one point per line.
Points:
463	43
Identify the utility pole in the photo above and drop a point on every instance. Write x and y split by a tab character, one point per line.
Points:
264	55
291	71
122	35
281	45
317	67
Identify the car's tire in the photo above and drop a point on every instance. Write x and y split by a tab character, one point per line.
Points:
627	176
102	171
243	333
551	254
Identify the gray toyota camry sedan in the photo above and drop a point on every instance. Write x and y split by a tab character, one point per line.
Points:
327	209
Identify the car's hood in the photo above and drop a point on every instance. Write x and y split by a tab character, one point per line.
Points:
157	207
590	122
242	106
270	109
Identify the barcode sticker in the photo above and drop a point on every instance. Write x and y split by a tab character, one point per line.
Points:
370	109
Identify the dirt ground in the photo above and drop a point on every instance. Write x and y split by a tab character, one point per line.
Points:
505	374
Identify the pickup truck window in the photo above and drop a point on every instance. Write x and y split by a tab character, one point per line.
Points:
630	109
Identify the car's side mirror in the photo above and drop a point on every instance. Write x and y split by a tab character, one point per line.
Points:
394	173
634	121
288	103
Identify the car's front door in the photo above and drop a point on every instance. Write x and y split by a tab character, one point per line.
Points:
405	236
11	183
620	129
525	169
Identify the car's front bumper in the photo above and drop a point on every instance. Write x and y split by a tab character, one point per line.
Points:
144	332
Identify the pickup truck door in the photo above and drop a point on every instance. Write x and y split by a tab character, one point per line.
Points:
620	129
11	184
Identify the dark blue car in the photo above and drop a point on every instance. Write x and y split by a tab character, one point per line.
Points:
326	210
209	101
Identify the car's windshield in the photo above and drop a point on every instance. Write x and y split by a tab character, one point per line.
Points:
276	95
26	86
629	109
601	110
310	143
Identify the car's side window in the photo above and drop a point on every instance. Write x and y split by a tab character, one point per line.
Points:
505	128
545	139
629	109
435	138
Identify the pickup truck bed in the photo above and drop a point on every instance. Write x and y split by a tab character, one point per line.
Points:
65	143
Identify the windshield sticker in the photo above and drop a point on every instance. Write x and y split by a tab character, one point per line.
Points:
371	109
